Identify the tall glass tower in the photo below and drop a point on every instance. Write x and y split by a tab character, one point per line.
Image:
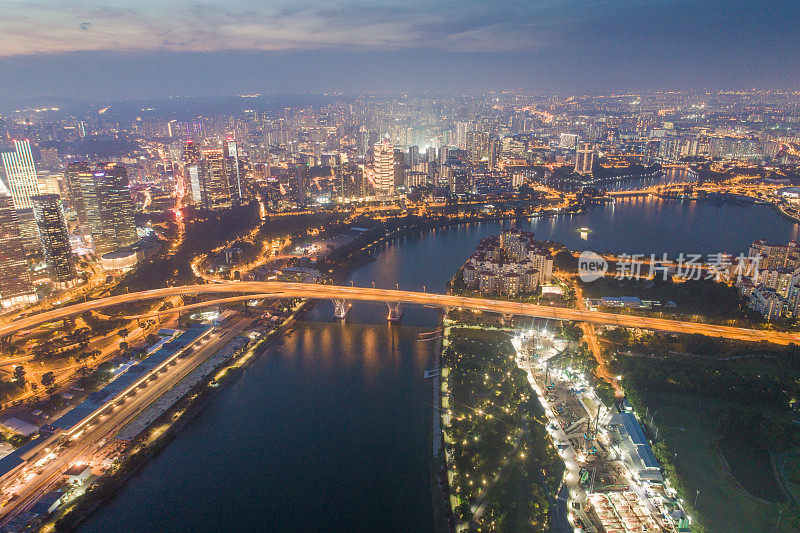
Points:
16	287
20	174
52	224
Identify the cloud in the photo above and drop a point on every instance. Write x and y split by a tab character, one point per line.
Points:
37	27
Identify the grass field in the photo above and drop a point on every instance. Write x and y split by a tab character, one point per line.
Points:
687	424
752	468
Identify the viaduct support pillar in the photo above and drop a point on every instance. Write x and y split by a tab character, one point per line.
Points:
341	307
395	311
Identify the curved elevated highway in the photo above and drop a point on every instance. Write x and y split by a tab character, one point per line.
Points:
274	289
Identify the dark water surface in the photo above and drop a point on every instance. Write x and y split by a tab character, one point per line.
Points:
329	430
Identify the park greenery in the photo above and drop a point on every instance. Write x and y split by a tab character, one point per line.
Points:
768	378
505	468
749	393
710	299
204	231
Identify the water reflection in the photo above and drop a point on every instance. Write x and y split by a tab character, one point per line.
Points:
330	430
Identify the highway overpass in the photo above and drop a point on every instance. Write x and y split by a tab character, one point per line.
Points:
274	289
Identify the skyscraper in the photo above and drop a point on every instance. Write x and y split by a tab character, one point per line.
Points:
195	185
109	208
233	169
383	165
299	181
213	179
413	155
399	168
584	158
350	180
20	174
191	153
52	225
76	174
15	282
28	231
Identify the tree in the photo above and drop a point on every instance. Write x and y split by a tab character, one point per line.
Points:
48	379
571	331
19	374
123	346
123	332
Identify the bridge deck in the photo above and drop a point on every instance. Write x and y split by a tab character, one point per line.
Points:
272	289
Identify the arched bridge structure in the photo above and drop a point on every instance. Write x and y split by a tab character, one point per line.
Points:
273	289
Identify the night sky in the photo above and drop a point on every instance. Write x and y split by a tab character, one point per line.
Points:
103	49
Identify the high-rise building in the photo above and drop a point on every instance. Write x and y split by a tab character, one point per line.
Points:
399	168
430	154
75	174
233	169
20	174
214	179
567	140
50	184
109	208
28	231
462	129
299	182
53	234
584	158
413	155
444	155
191	153
478	145
194	184
383	166
349	180
15	282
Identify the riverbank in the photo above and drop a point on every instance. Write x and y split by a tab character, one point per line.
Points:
329	361
166	427
162	431
502	471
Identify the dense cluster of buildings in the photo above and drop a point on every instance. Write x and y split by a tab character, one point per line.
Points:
34	224
511	263
351	150
774	289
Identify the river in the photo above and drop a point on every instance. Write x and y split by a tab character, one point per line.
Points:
329	430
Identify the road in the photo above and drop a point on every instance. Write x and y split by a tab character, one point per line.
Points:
590	334
275	289
107	345
85	440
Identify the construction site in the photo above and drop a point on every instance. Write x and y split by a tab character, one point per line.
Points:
615	483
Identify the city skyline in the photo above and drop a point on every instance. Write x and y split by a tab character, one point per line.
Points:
515	266
176	48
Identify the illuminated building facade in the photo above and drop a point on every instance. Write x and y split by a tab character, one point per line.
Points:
15	283
75	174
53	234
383	165
109	208
213	179
20	174
584	158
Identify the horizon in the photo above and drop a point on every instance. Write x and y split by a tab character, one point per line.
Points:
173	47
